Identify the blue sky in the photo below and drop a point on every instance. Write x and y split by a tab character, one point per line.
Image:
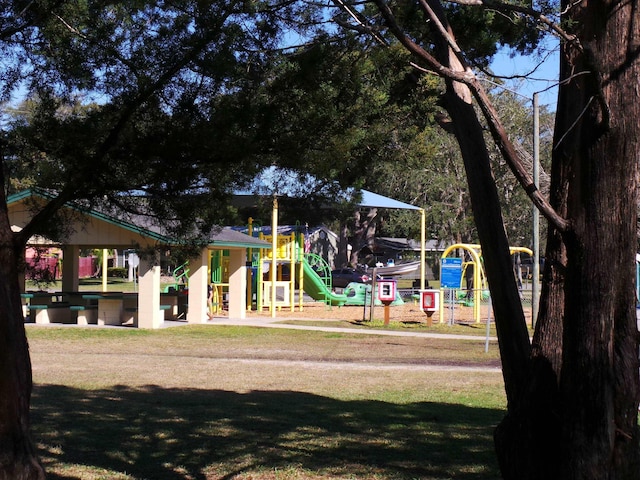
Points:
544	79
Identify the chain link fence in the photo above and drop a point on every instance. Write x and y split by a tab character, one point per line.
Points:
474	306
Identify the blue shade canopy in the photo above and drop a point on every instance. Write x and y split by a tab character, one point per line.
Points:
373	200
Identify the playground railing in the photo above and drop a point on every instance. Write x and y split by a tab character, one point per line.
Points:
458	305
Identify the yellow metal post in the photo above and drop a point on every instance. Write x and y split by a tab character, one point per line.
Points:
105	264
274	252
292	270
477	288
301	259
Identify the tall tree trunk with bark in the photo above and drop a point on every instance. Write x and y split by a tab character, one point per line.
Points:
573	397
18	459
515	348
596	155
365	233
583	394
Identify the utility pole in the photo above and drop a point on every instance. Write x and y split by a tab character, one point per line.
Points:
535	285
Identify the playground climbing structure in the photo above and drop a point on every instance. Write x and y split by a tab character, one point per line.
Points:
180	278
278	273
219	278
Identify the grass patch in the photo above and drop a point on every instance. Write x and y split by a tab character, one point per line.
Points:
249	403
239	342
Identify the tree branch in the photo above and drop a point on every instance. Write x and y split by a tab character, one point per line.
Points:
361	25
437	67
513	159
443	31
496	128
71	28
511	8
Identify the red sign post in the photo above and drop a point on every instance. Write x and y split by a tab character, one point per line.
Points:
429	302
386	295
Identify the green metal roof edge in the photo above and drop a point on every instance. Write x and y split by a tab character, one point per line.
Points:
227	244
16	197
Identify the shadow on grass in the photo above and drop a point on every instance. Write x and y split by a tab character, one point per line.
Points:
158	433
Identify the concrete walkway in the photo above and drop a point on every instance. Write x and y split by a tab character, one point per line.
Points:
268	322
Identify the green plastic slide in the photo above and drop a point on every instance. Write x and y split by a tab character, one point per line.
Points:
315	287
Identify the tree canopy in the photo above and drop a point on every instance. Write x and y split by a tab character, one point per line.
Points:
139	97
184	101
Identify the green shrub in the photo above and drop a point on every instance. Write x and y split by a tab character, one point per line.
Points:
117	272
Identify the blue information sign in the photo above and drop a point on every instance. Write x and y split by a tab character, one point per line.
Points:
450	272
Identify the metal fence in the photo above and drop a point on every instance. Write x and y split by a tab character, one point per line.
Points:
470	306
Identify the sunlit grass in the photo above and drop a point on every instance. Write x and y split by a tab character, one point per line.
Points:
248	403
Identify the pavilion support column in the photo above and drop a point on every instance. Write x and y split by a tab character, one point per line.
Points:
198	282
149	295
70	268
237	283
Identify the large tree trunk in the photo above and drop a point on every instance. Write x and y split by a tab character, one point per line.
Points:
364	235
526	419
573	399
584	389
18	459
596	158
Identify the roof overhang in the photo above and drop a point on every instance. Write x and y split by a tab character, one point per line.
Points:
374	200
224	237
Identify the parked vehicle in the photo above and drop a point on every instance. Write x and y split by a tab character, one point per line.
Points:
342	277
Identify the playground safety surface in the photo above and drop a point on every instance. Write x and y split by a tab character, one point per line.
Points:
408	313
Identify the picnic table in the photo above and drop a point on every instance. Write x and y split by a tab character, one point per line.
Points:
110	307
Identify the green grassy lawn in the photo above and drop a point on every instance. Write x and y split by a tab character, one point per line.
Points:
205	402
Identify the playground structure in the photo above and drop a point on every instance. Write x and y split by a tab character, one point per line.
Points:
476	281
290	265
277	273
313	276
180	278
273	264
